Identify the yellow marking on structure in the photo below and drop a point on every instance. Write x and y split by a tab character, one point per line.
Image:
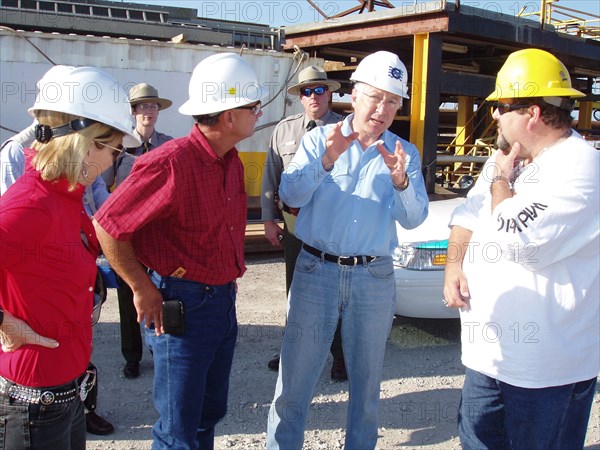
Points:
254	163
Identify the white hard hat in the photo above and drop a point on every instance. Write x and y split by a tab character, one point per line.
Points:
383	70
221	82
86	92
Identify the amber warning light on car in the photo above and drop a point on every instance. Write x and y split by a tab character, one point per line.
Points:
422	255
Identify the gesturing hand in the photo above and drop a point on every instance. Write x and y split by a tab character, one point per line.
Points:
336	144
396	162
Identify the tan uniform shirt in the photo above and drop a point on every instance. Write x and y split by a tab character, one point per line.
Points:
284	142
121	168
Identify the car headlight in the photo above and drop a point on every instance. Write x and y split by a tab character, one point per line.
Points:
422	255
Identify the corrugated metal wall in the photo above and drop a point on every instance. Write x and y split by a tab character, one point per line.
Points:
166	66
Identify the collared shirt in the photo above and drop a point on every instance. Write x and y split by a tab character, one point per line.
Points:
285	140
12	164
156	140
352	209
47	277
121	168
183	206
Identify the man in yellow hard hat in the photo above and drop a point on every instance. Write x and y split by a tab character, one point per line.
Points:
523	269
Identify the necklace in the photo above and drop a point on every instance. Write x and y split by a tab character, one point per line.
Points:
562	137
519	168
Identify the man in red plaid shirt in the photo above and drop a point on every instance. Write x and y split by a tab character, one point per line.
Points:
182	213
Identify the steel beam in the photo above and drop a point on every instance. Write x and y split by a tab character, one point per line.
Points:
427	64
366	32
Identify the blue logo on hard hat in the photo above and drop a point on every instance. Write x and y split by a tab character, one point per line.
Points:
395	73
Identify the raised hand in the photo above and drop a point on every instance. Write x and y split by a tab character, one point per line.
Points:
336	144
396	162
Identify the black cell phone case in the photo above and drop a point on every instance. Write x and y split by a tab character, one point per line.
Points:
173	317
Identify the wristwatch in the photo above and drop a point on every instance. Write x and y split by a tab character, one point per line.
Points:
1	316
404	186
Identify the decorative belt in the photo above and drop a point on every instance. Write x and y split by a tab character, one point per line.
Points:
47	396
341	260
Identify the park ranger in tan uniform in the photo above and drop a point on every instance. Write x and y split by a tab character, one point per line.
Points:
314	90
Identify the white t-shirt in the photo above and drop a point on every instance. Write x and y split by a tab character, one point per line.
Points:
533	271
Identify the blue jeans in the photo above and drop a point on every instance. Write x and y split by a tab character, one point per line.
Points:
497	415
35	426
322	292
191	371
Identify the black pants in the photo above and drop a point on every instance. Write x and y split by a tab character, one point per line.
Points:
131	335
291	249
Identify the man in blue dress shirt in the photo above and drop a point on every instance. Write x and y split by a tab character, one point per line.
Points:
354	181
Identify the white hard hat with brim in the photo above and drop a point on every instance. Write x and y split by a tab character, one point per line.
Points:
221	82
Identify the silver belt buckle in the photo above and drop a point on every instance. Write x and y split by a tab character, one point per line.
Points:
339	261
46	398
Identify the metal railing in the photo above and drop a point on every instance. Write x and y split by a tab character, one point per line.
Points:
566	20
455	160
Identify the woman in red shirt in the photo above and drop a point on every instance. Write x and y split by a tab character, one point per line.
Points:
49	249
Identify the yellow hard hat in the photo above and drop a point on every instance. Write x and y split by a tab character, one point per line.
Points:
533	73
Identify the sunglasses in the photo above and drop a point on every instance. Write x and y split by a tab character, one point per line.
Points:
503	108
319	90
116	151
255	109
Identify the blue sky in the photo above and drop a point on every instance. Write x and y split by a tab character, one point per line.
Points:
291	12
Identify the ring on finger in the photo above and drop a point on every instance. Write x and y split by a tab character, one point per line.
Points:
445	302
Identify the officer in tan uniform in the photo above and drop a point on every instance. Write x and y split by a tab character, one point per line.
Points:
145	106
314	90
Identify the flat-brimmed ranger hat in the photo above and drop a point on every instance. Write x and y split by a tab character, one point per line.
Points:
144	93
310	76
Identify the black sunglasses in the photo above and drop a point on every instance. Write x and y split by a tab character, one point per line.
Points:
503	108
307	92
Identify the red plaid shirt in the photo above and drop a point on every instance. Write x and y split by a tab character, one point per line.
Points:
183	206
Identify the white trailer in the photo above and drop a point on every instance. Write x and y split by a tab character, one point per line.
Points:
26	56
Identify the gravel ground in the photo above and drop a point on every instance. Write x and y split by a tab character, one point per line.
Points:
422	378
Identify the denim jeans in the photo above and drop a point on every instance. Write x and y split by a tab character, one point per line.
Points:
291	249
191	371
497	415
322	292
35	426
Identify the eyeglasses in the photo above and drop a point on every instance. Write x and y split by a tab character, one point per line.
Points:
376	100
116	151
148	106
255	109
319	90
503	108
